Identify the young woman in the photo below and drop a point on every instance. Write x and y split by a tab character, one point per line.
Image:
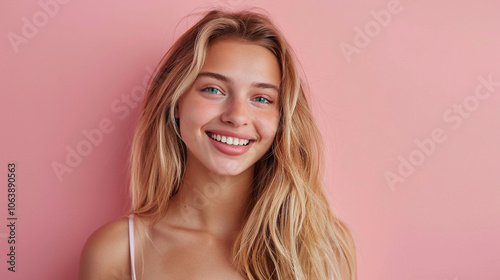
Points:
225	168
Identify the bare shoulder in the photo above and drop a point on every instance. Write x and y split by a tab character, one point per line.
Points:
105	255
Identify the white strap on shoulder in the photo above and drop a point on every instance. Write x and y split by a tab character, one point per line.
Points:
131	243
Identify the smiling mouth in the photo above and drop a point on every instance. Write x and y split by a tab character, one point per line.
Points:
228	140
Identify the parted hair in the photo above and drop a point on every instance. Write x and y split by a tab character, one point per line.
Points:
291	231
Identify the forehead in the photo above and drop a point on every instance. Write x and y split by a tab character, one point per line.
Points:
242	61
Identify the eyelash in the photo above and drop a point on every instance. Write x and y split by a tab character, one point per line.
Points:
263	99
267	101
209	88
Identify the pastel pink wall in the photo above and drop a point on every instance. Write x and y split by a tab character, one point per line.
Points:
407	94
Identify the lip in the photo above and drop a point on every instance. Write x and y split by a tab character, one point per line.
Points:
230	150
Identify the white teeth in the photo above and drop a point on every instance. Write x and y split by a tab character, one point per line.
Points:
229	140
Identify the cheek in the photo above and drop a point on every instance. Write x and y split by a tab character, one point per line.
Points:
268	125
194	114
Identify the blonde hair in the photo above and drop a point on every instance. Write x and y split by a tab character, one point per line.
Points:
291	231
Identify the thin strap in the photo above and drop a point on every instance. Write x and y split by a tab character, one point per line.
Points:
131	243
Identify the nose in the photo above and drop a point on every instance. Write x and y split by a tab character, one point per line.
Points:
236	112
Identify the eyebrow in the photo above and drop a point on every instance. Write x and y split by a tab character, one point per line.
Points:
226	79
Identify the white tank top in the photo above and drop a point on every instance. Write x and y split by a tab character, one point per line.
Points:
131	244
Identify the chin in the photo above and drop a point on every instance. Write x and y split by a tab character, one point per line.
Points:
229	168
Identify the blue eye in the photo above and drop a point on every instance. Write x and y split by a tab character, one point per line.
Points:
212	90
261	99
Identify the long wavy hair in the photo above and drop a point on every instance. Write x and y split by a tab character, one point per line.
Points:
291	231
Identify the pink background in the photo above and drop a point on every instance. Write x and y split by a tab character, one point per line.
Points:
378	87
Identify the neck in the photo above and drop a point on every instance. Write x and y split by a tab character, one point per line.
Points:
210	202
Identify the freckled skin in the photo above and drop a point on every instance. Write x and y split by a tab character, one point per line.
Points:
235	109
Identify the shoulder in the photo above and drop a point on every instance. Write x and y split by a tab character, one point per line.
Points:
105	255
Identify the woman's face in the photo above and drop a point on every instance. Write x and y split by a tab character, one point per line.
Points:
229	116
